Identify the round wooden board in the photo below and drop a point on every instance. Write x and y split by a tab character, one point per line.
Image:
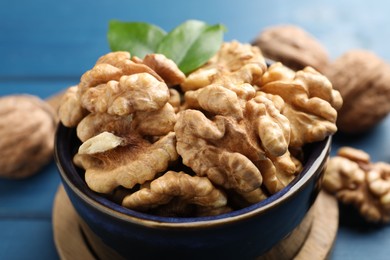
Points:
317	234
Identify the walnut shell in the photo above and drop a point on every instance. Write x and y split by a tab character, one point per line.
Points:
27	126
292	46
363	80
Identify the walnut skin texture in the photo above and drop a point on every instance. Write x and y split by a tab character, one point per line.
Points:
363	81
136	92
310	102
226	140
236	62
70	110
118	86
354	180
286	109
292	46
127	111
96	123
191	189
165	68
135	161
118	95
231	170
27	127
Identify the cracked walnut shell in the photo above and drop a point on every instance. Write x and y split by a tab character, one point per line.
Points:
27	126
355	180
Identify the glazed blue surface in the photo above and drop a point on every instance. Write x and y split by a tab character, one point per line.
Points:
45	46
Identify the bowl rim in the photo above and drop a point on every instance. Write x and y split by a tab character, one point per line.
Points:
117	211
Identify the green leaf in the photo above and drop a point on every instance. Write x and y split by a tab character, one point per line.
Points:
192	44
189	45
135	37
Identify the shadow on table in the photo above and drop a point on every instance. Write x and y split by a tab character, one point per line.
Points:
350	218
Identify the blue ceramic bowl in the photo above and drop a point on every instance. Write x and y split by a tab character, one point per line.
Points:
241	234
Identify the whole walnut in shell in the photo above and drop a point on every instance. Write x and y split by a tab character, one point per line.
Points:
292	46
363	80
27	126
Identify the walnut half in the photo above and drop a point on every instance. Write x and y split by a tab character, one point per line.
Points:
354	180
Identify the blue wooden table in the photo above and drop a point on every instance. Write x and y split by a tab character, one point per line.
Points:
45	46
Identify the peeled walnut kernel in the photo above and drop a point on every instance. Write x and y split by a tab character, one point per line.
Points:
293	46
154	123
94	124
149	123
100	143
133	162
165	68
235	62
136	92
118	86
310	102
265	116
190	189
216	99
231	170
70	110
363	81
355	180
27	126
121	95
215	148
353	154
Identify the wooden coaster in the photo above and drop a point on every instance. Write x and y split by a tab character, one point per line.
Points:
68	237
312	239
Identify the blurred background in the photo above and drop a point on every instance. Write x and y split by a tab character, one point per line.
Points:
46	45
57	41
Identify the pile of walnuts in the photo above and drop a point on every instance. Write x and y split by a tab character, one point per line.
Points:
225	136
